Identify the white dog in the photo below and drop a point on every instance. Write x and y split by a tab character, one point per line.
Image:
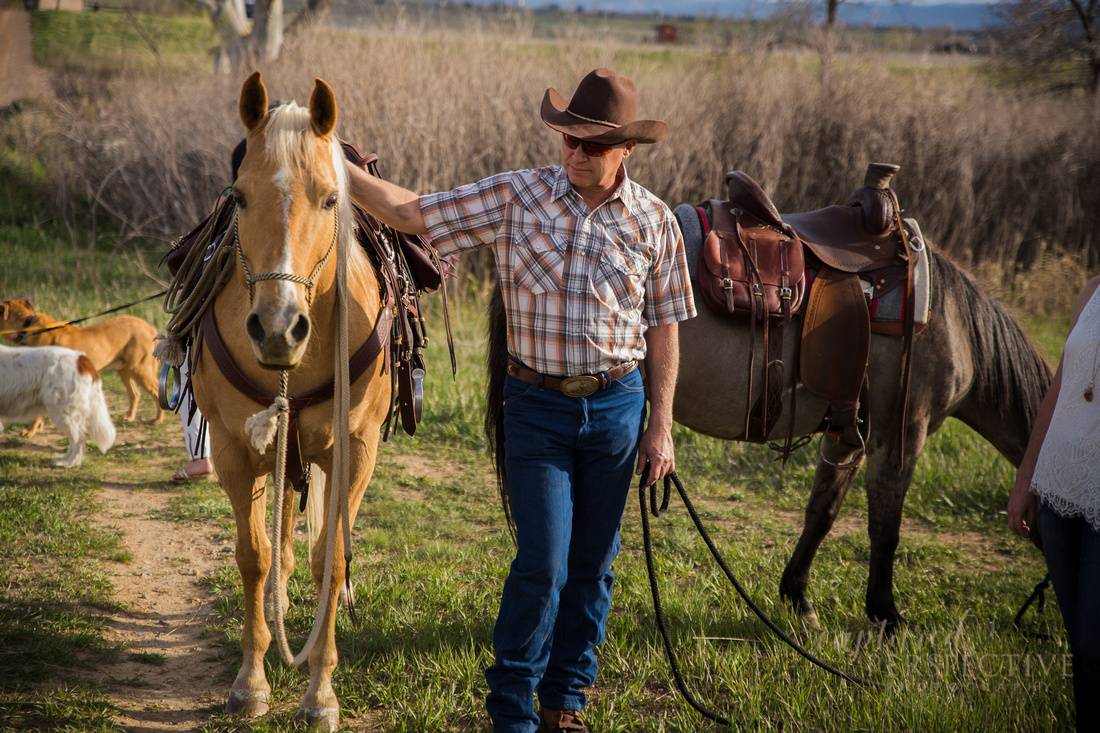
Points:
59	382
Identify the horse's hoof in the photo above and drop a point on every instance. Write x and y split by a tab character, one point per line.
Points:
888	623
810	619
801	605
249	703
325	719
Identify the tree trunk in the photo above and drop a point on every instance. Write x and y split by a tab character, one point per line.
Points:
267	29
828	47
239	47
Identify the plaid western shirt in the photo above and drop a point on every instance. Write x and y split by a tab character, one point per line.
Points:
580	287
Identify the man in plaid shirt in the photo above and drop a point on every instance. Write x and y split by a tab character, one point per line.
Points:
594	279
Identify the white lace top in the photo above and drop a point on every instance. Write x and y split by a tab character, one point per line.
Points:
1067	473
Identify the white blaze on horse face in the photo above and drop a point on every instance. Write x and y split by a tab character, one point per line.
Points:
282	180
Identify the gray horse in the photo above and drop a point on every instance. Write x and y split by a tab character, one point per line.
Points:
972	362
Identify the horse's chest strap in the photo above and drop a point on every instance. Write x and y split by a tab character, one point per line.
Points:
359	362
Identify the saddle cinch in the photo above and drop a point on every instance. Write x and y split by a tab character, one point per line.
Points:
847	271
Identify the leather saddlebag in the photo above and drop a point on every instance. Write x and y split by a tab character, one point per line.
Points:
750	271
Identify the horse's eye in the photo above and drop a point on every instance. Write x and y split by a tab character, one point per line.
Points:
331	201
238	198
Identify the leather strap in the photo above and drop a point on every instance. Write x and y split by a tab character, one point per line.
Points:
529	376
901	406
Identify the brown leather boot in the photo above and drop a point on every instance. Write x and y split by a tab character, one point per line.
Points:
561	721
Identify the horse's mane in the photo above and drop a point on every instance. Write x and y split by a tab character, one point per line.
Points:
1011	375
289	141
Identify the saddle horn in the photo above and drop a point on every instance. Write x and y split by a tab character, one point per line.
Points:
873	198
879	175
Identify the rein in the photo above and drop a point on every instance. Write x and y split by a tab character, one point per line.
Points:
24	332
1037	593
662	624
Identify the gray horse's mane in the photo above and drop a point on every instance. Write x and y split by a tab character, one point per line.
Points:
1012	375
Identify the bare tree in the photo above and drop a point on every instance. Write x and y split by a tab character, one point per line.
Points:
1045	35
807	14
268	28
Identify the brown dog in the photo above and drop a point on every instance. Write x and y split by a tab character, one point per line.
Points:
124	343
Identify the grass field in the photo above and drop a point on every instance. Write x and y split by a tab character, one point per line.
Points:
432	549
431	553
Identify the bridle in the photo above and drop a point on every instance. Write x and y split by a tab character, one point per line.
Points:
287	276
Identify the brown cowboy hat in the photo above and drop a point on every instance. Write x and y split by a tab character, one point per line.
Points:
602	110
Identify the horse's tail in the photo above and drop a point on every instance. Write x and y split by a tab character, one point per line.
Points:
496	365
1011	374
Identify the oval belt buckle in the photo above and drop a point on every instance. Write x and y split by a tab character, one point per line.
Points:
581	386
169	396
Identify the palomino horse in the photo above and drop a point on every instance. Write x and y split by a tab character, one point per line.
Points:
972	362
278	314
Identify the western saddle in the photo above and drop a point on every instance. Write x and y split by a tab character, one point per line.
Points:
754	266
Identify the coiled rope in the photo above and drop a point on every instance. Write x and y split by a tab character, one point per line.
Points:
205	270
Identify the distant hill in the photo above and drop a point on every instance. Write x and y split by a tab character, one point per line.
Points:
957	16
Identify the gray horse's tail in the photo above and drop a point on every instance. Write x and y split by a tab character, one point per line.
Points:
496	366
1011	374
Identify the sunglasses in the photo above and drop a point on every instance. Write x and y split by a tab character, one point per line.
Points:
592	150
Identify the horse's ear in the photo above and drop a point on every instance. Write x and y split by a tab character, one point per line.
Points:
253	106
322	108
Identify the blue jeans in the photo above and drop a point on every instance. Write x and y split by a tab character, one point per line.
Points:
569	463
1072	551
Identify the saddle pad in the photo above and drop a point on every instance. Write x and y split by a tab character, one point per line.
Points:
886	308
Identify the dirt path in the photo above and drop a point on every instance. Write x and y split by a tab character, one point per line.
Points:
165	614
19	77
171	676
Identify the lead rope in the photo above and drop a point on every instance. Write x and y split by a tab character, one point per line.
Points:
662	625
341	425
339	493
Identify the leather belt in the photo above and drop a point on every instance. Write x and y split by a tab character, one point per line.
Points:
579	386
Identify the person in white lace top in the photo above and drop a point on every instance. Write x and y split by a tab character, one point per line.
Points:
1057	495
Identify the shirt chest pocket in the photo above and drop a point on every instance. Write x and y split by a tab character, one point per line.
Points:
620	279
539	261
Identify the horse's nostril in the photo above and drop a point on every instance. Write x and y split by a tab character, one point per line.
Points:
255	329
300	332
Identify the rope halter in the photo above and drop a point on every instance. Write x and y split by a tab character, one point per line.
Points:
288	276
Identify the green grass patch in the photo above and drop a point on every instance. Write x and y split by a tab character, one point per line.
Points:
55	594
110	43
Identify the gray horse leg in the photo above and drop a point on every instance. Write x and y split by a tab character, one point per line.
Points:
831	484
887	484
